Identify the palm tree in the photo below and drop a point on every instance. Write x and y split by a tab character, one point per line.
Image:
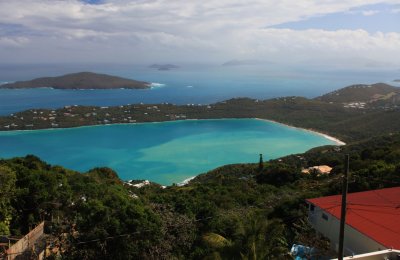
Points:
258	238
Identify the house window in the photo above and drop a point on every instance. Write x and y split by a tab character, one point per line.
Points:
324	216
312	207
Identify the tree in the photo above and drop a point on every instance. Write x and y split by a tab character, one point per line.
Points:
7	193
261	238
261	163
278	174
256	238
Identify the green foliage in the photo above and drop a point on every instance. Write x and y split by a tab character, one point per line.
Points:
261	238
304	234
278	174
241	211
363	93
331	118
216	241
232	212
88	206
7	195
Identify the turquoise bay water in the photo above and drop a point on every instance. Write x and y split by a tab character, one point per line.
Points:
167	152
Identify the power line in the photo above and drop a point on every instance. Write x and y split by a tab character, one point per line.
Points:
378	224
118	236
377	205
375	211
136	232
384	198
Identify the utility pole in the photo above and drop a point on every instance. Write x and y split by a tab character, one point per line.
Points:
344	205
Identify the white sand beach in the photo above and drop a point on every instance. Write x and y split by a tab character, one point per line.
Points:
336	140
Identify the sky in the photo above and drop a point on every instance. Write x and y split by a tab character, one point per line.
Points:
332	33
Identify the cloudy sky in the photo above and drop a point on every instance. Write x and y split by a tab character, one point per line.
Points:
354	33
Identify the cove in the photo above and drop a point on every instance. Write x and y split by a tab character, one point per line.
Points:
167	152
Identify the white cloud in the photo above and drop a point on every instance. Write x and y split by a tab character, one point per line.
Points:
343	47
370	12
189	30
13	41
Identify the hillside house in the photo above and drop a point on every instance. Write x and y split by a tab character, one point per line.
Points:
320	169
372	220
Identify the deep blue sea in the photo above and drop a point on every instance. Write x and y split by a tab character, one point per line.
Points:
165	153
199	84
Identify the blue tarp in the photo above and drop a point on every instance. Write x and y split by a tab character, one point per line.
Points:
301	252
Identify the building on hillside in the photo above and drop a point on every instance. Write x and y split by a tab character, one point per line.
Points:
372	220
319	170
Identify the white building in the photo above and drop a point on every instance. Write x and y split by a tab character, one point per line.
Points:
388	254
372	220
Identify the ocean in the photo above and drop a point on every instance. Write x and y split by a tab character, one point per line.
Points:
188	84
165	153
173	151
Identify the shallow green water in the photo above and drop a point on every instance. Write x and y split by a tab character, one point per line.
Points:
161	152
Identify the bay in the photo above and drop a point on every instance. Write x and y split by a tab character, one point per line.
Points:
167	152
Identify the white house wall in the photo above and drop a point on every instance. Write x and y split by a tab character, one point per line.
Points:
354	243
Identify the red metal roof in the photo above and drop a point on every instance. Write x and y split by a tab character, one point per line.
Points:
374	213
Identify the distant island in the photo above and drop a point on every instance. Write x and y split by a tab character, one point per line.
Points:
164	66
245	62
396	80
81	80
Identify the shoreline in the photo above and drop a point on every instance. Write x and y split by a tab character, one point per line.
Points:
336	140
186	181
98	125
150	86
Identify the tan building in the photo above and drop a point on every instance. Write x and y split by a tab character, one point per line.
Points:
320	169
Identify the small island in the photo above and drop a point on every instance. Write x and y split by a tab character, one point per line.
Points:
81	80
396	80
163	66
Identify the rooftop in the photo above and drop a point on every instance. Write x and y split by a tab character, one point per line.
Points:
374	213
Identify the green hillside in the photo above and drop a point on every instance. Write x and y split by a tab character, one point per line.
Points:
81	80
379	94
348	124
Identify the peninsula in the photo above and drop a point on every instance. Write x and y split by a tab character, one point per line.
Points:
368	111
81	80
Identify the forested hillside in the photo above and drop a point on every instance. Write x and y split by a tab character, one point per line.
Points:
374	95
231	212
349	124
